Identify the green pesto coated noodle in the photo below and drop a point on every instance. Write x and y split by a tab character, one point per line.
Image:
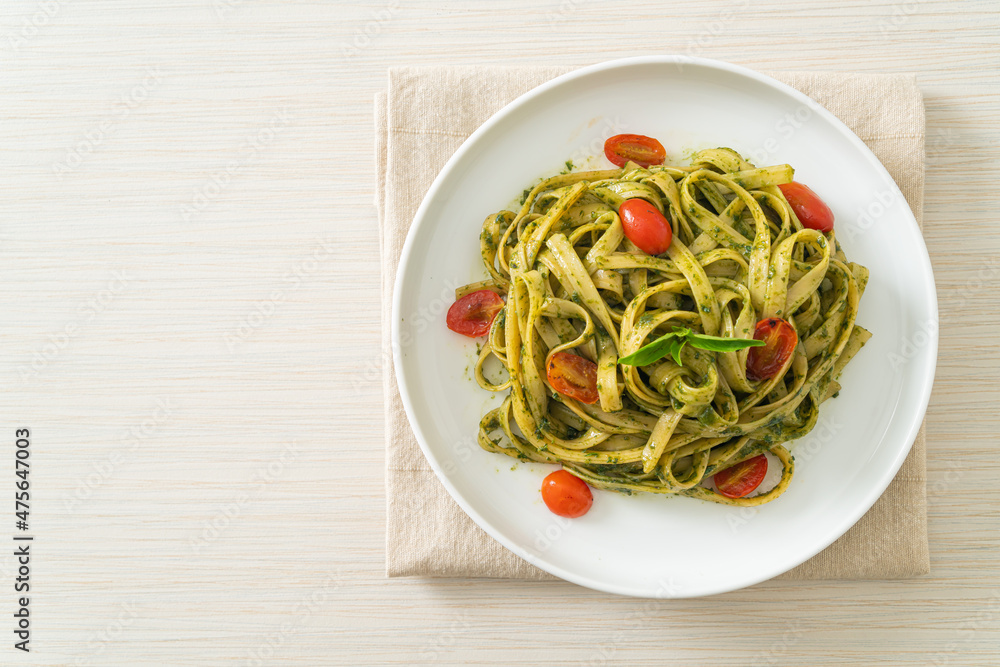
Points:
573	282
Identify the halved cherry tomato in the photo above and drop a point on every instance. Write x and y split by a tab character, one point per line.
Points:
742	478
638	148
572	375
779	339
645	226
566	494
473	314
812	211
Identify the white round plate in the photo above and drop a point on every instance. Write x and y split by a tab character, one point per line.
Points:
650	545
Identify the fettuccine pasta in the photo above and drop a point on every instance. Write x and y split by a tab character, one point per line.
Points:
573	282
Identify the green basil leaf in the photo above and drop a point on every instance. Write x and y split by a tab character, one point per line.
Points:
654	351
719	344
672	343
675	351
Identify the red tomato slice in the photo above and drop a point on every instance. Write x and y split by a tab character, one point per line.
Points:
645	226
779	339
811	211
638	148
742	478
566	494
473	314
572	375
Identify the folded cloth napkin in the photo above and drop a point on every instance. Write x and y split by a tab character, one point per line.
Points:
420	121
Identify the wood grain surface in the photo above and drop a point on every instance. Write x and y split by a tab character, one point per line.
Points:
190	330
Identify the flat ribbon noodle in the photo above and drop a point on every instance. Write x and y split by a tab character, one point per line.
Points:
575	283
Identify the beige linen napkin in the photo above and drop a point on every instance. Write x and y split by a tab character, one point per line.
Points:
419	123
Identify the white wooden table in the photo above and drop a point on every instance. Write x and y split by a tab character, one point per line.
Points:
189	328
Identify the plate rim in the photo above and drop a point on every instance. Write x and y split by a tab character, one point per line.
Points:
420	219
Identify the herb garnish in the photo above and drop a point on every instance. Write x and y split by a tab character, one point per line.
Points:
672	344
